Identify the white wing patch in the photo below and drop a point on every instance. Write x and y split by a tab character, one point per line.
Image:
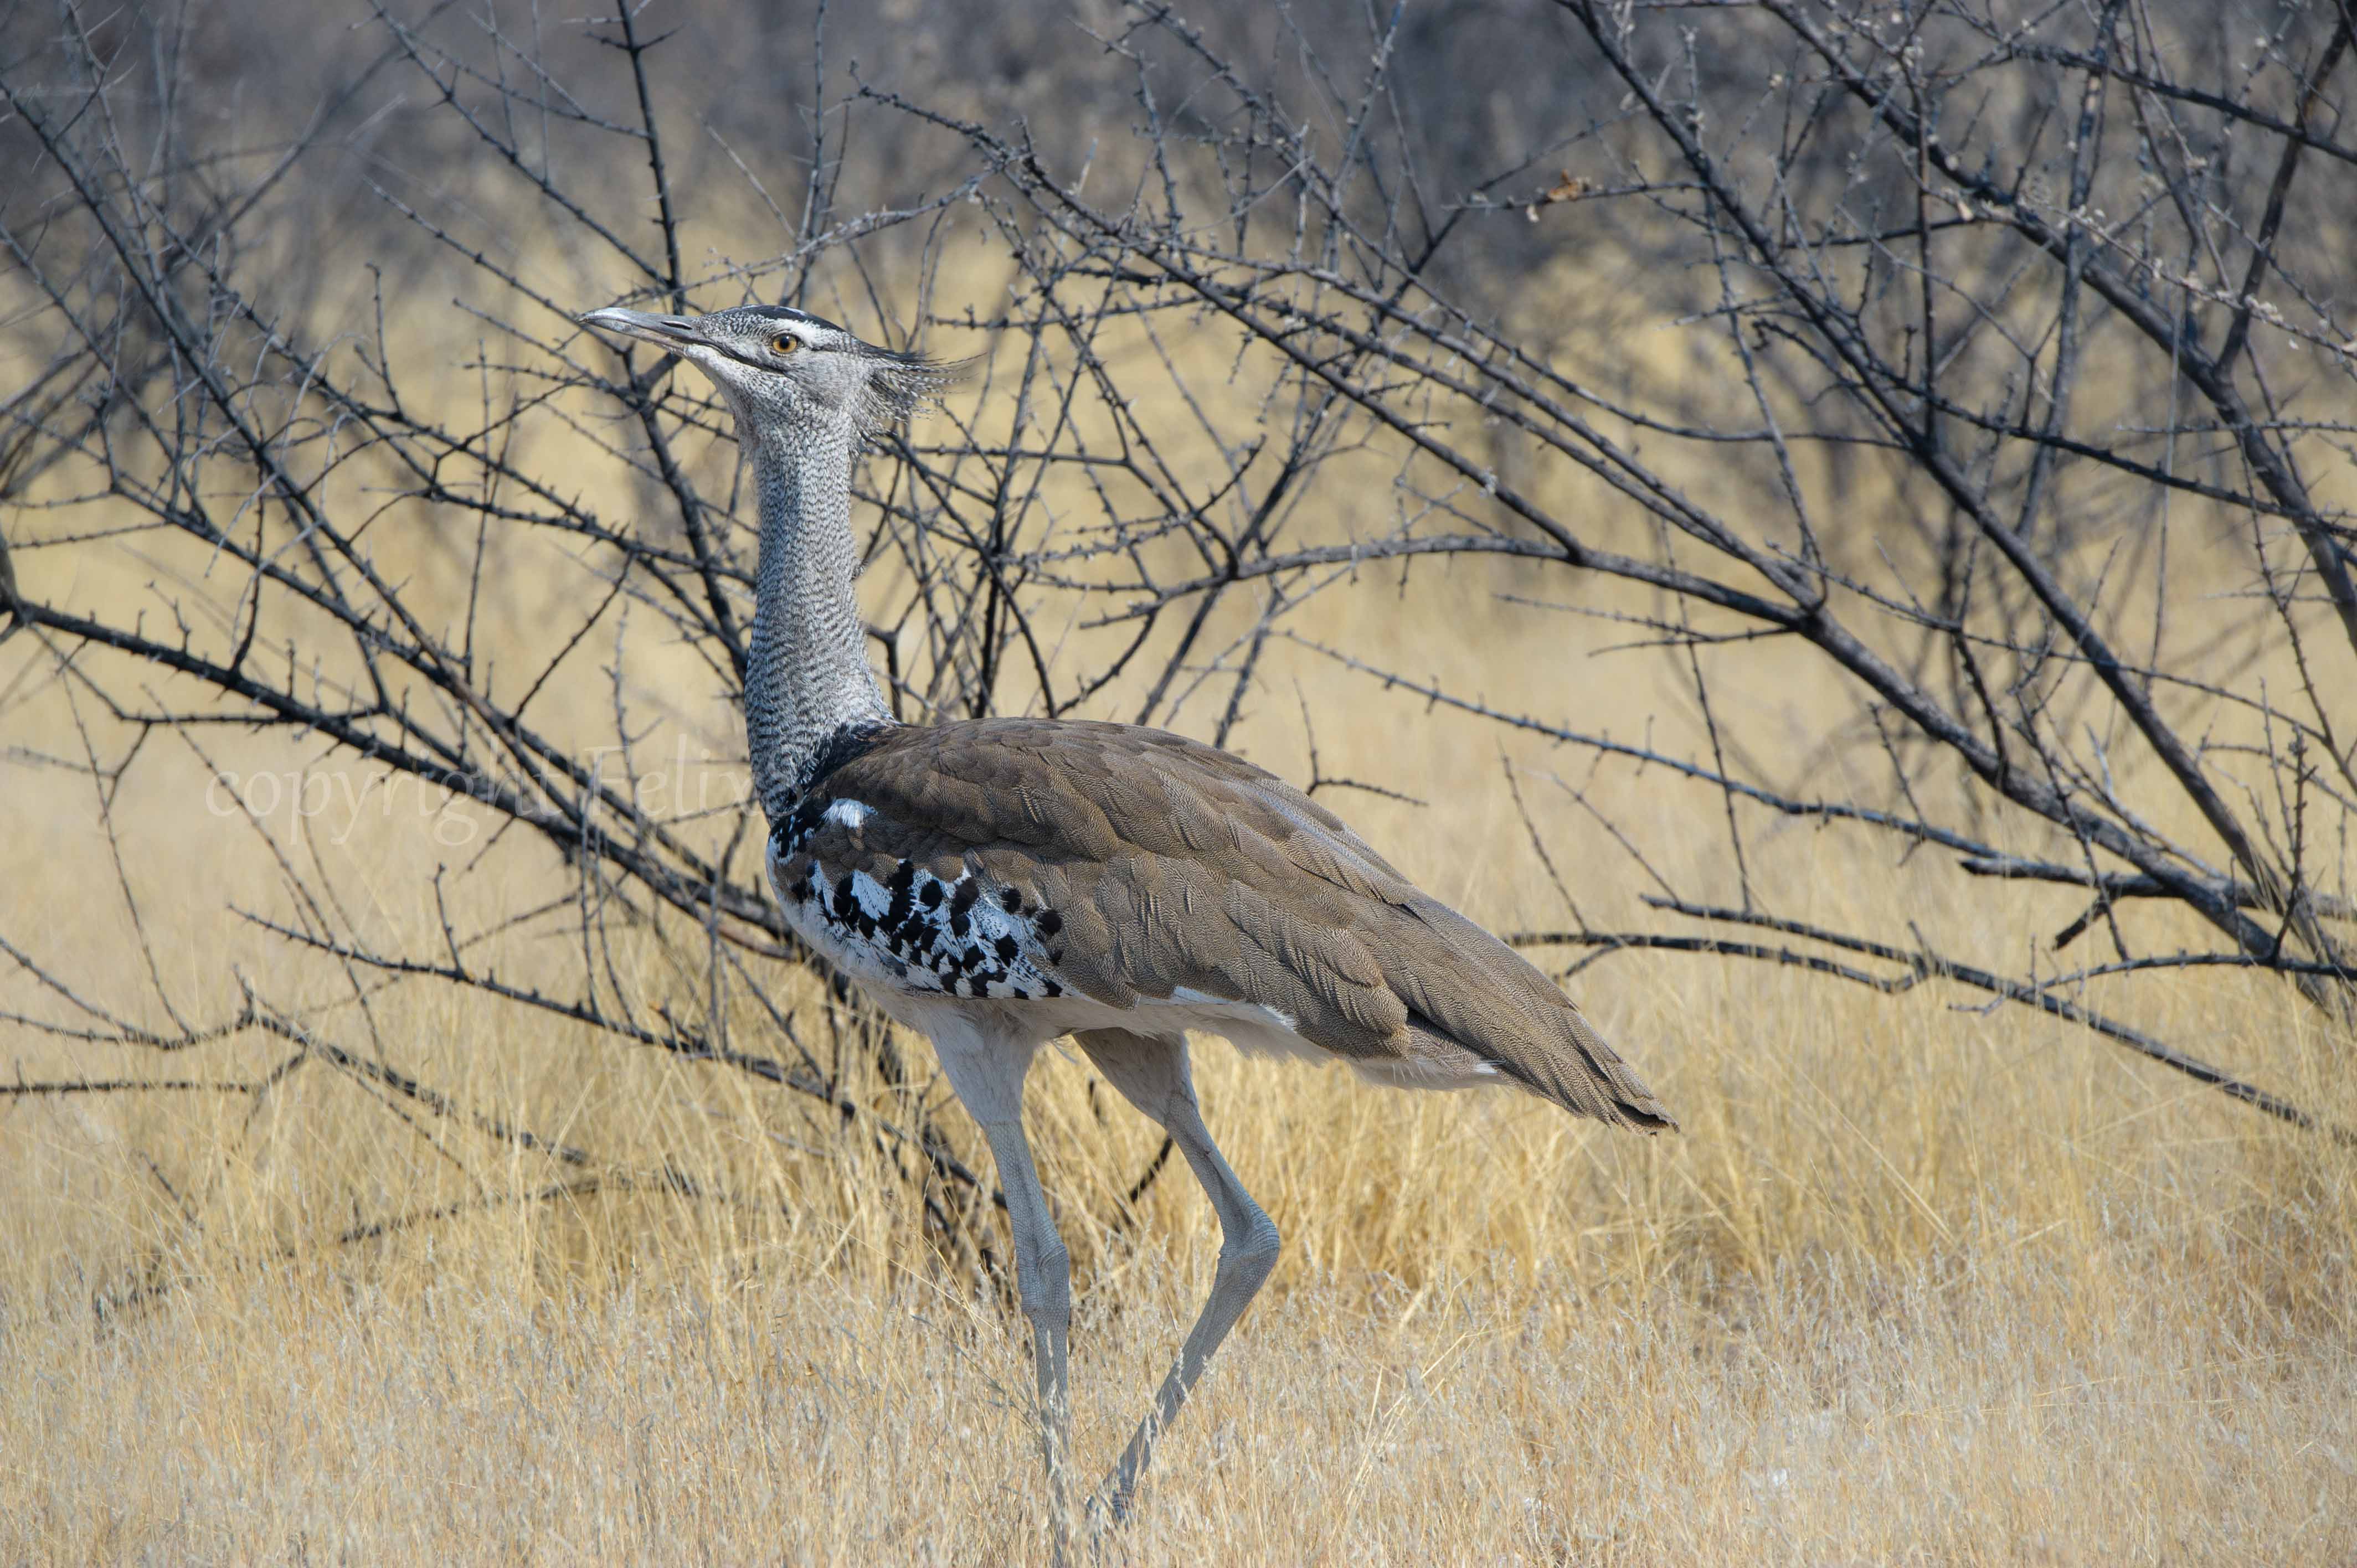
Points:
1187	996
875	900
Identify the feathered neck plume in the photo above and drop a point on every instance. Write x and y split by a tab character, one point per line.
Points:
808	690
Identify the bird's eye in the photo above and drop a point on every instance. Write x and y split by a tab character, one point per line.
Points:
784	343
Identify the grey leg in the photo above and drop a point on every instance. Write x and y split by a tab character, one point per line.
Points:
988	1077
1152	1074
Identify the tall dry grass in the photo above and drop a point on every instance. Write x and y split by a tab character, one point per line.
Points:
1915	1282
1919	1280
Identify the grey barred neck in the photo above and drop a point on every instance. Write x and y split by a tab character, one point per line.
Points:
810	696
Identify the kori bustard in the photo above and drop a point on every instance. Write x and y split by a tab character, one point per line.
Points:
997	883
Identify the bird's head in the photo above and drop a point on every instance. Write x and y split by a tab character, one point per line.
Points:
774	363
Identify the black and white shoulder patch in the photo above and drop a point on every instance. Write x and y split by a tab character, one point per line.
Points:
895	923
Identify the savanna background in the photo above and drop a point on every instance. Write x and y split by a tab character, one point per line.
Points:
1830	521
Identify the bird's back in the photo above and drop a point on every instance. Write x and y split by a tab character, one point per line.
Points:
1032	861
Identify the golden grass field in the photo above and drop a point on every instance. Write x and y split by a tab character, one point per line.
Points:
1919	1281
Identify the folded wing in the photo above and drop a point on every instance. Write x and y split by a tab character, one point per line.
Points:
1021	858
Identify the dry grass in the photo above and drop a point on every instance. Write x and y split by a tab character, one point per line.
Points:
2005	1415
1916	1283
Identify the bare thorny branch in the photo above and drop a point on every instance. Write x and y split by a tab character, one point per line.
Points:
1998	335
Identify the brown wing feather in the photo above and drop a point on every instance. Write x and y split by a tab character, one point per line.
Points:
1142	862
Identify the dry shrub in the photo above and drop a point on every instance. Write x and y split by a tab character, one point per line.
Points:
522	1197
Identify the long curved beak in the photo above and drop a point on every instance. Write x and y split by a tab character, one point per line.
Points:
663	332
